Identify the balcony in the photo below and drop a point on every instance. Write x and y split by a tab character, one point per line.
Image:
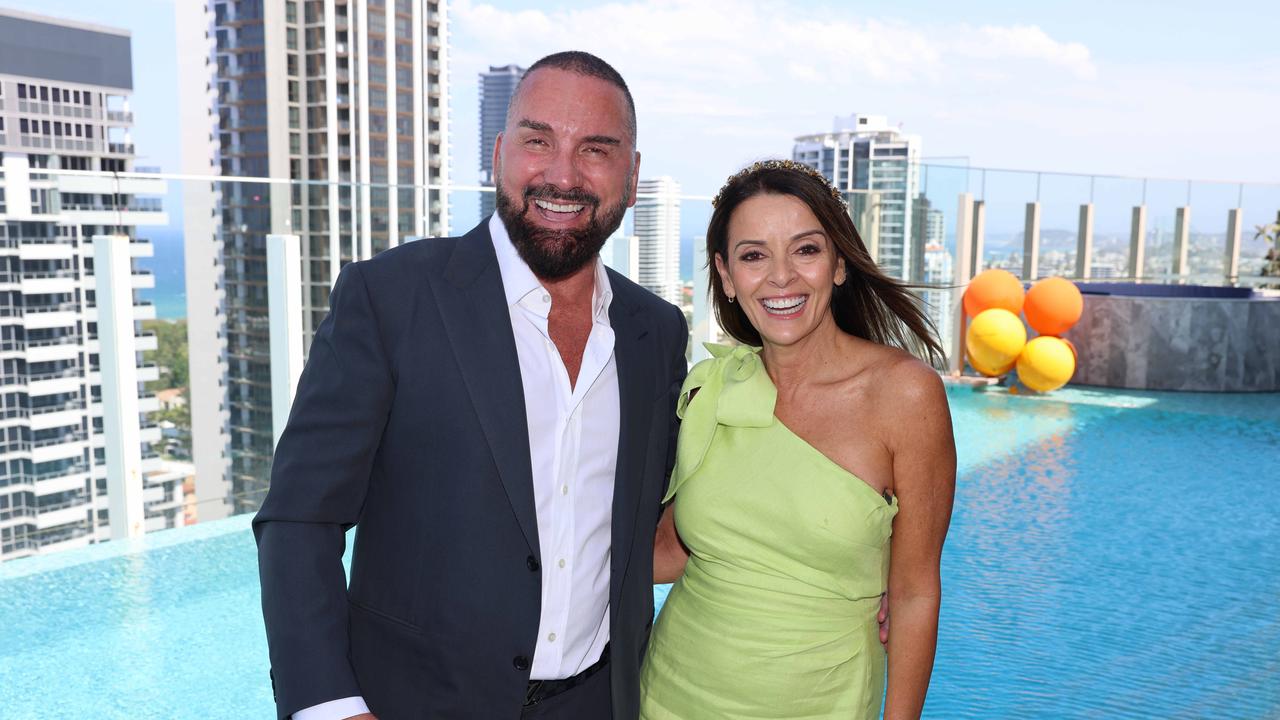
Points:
57	282
60	382
64	515
143	279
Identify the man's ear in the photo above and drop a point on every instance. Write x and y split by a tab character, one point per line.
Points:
635	180
497	152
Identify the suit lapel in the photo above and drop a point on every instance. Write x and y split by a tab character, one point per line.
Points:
478	322
635	362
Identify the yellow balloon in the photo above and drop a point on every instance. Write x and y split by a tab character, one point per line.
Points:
1046	364
994	339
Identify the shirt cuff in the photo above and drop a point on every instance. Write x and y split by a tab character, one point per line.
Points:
334	709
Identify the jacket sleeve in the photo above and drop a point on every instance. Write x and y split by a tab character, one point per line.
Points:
679	368
319	479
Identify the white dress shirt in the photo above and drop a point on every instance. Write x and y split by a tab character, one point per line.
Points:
573	448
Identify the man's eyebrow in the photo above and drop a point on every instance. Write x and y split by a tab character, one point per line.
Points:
602	140
534	125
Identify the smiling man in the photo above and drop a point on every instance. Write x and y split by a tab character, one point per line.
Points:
495	415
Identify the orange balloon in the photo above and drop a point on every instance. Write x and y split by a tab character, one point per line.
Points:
1053	305
1072	347
993	289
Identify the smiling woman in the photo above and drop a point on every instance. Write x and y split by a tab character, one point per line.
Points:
797	460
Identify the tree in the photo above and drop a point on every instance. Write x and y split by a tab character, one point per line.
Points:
170	353
1271	233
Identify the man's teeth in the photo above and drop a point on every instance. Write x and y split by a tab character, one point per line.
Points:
784	304
556	207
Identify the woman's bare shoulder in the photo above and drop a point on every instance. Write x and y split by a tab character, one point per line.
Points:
905	387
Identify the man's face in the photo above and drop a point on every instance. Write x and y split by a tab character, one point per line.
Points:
566	169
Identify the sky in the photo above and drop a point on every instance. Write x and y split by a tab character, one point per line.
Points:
1178	90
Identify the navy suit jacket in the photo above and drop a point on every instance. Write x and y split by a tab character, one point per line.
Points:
409	423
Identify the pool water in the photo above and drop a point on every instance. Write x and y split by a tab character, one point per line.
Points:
1112	555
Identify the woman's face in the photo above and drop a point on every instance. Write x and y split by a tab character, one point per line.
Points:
780	266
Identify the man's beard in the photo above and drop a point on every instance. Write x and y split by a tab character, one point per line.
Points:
556	254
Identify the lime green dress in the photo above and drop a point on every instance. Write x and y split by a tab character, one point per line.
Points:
775	615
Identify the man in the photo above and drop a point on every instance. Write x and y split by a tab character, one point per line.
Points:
495	414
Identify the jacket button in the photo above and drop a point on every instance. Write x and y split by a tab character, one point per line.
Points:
532	563
520	662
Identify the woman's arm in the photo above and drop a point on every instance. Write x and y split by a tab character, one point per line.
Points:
924	474
669	554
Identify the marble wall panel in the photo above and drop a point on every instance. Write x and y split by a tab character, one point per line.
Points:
1192	344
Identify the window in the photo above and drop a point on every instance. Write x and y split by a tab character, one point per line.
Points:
23	125
44	93
22	90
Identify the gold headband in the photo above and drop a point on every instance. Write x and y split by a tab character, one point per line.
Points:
790	165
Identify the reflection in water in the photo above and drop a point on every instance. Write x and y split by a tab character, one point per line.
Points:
1111	559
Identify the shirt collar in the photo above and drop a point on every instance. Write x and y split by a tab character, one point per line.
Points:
519	282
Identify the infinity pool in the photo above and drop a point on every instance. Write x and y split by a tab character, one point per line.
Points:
1112	555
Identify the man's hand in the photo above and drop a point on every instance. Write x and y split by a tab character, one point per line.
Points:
882	617
371	716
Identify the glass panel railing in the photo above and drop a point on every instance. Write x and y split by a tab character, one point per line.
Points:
201	277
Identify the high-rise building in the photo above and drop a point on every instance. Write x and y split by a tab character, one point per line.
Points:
864	155
657	228
64	129
349	101
496	88
938	270
622	253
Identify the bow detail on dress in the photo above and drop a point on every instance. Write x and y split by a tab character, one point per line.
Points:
732	388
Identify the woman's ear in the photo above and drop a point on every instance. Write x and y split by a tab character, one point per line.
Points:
841	272
725	280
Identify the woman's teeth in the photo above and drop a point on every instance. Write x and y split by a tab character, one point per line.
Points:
784	306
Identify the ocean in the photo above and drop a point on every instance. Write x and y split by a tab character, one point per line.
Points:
170	292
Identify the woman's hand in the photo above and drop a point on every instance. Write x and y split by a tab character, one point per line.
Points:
669	554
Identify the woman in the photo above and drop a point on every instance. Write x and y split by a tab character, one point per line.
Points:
800	453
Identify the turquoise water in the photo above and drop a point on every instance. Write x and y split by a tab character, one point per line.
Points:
1112	555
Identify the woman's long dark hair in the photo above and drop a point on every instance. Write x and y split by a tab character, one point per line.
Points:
868	304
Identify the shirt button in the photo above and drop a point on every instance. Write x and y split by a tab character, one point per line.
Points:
561	563
546	298
532	563
551	637
564	489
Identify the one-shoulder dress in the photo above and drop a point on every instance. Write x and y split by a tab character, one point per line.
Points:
775	615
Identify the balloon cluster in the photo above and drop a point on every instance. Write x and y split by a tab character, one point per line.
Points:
997	342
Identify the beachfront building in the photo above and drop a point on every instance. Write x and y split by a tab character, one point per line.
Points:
62	116
345	105
496	88
657	229
876	165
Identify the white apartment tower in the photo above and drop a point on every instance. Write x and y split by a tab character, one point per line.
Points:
657	229
64	131
347	102
865	156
